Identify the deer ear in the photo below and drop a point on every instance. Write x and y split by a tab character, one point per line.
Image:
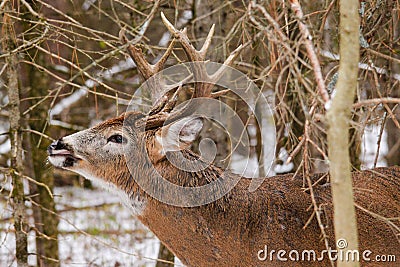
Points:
178	135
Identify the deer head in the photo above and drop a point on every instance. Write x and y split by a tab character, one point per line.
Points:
103	152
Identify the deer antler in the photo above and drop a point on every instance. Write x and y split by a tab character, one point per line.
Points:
191	52
148	71
162	110
145	68
202	89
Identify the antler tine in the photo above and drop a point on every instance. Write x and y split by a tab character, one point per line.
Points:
145	68
206	45
161	62
191	52
227	63
233	55
204	89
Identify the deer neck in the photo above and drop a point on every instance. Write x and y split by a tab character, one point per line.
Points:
184	228
128	182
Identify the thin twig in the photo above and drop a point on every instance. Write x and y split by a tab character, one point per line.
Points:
317	210
38	133
376	101
295	5
378	142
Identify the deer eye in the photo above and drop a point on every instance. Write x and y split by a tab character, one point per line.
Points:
116	138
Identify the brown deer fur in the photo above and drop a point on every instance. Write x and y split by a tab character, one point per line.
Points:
232	230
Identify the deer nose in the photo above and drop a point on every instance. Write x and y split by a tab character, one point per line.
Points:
56	145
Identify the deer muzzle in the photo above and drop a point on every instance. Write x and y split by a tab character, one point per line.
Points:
61	155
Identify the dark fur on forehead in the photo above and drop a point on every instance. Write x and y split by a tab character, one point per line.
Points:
134	115
128	119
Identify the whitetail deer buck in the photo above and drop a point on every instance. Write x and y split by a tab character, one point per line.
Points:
233	230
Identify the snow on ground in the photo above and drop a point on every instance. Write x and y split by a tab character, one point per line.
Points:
95	230
114	235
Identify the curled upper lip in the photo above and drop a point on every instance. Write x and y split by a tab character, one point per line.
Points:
62	153
60	149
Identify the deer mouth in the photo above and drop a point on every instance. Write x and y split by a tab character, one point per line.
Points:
60	156
63	159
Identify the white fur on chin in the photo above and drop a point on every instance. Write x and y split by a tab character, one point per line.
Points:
136	205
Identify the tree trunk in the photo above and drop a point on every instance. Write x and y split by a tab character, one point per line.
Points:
18	201
47	224
45	214
338	117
